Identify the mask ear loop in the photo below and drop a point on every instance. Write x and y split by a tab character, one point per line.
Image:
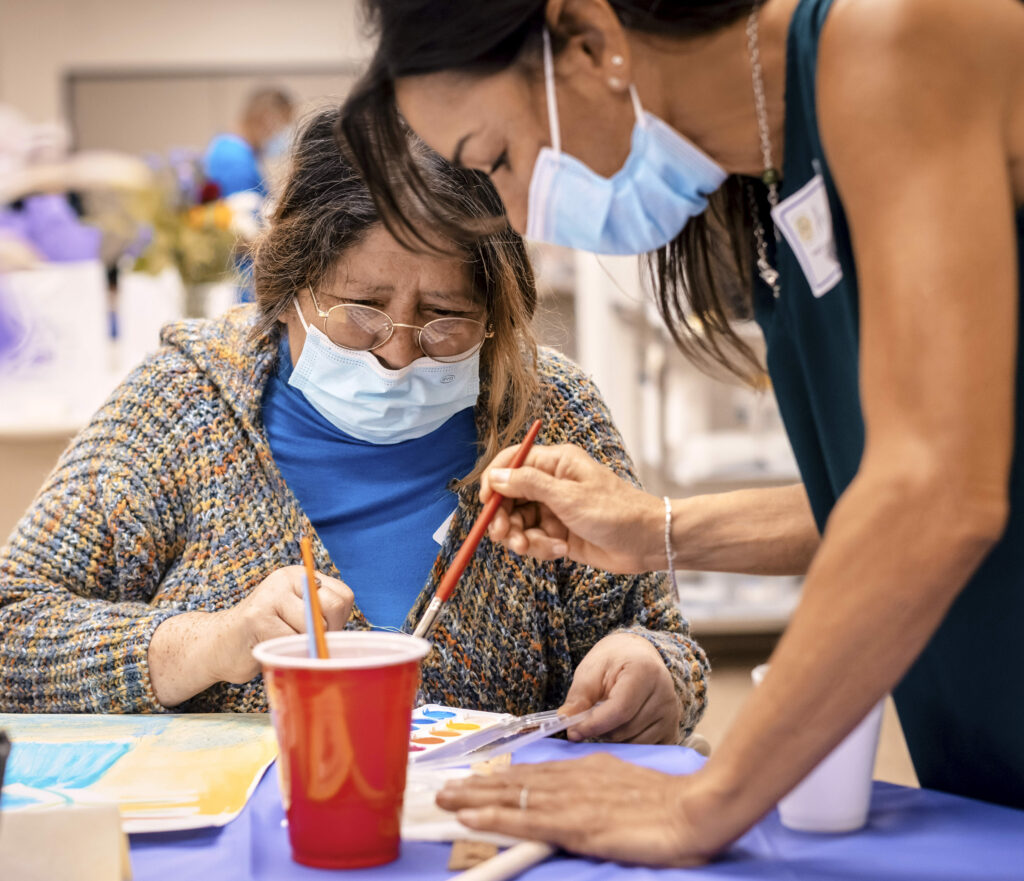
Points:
637	107
549	88
302	318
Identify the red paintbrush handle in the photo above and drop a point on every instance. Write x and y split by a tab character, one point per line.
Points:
469	546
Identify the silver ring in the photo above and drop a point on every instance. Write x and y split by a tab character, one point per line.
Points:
524	798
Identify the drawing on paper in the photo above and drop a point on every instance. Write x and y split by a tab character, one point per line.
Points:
165	772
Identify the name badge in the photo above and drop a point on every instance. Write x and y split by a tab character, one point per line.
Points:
806	222
442	531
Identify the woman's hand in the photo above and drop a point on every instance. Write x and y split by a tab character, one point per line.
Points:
192	651
563	503
627	674
599	806
275	608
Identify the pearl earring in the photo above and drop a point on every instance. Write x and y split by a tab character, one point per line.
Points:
615	82
617	60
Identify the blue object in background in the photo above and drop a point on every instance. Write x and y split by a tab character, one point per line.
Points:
231	163
50	226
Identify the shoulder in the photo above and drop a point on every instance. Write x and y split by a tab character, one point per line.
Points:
913	26
202	367
232	335
912	52
901	83
575	412
563	381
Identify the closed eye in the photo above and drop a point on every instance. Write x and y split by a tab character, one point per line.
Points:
449	313
500	162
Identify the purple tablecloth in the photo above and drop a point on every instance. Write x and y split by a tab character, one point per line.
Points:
912	835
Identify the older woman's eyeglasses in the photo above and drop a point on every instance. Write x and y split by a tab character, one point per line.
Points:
365	328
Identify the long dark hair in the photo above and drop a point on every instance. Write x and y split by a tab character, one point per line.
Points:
325	208
702	279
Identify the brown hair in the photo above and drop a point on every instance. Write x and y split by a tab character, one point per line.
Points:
325	208
702	279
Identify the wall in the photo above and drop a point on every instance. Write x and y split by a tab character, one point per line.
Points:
41	39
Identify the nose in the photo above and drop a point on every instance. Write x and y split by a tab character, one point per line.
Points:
400	350
514	198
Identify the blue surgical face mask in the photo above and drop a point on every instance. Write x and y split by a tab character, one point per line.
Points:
643	206
357	394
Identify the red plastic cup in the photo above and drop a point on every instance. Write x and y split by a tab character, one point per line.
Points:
343	727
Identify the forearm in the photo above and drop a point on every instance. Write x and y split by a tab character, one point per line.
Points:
757	531
66	654
891	564
182	660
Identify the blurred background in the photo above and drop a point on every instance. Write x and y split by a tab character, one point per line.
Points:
140	148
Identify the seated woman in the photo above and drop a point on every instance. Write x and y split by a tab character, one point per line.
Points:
358	401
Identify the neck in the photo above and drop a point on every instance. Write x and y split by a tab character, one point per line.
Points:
702	87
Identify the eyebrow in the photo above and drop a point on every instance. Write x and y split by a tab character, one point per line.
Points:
453	299
457	298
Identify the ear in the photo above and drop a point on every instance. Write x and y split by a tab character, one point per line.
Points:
594	40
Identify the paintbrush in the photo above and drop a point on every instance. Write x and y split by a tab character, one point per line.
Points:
314	617
465	553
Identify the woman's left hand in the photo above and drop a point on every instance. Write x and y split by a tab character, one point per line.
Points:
598	806
639	698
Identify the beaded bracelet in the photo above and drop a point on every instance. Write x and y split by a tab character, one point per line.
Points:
670	555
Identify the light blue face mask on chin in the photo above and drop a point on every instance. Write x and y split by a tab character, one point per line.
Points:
664	182
357	394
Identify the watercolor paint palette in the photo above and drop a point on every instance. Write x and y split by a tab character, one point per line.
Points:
450	736
434	726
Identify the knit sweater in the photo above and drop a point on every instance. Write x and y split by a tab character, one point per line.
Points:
170	501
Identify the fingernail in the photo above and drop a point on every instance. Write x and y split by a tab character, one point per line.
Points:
573	735
560	548
500	475
469	816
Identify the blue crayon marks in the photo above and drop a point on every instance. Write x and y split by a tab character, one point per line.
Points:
62	765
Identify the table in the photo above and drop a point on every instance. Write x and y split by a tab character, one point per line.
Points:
912	835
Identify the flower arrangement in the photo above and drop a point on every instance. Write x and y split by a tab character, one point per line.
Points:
181	221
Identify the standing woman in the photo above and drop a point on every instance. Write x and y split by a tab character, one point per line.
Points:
863	161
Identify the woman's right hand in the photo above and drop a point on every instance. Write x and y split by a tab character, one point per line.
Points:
190	652
274	608
561	502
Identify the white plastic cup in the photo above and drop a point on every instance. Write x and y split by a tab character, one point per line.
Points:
836	795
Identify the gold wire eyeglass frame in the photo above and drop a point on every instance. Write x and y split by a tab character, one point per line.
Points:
462	356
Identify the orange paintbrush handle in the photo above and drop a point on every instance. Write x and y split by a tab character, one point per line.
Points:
306	544
469	546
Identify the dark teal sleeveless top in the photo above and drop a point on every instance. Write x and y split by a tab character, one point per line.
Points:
962	702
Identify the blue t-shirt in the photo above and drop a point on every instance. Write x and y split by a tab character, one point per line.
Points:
376	507
230	162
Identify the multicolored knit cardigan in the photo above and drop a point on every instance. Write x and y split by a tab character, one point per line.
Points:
170	501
